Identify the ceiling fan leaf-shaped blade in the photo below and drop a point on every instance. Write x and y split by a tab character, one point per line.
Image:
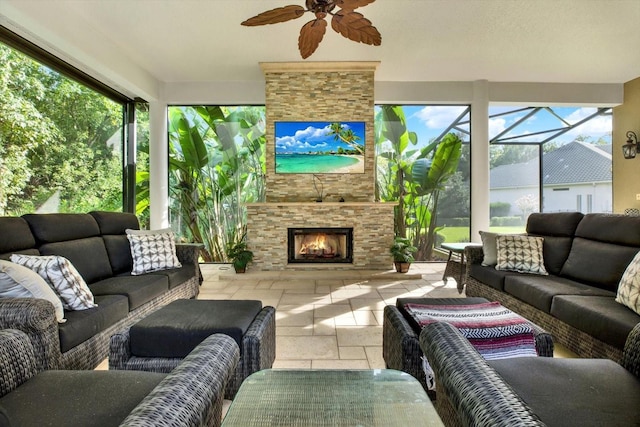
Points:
311	35
352	4
356	27
274	16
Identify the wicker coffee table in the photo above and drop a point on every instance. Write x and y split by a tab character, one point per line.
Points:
280	397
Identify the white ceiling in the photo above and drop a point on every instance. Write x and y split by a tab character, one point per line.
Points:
563	41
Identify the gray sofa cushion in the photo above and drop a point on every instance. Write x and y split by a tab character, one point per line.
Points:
112	226
574	392
600	317
83	324
49	228
16	236
176	276
596	263
489	275
539	291
177	328
559	224
78	398
88	256
138	289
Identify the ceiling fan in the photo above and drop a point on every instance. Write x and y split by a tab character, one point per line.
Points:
346	21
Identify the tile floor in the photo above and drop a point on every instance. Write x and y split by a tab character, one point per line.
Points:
329	319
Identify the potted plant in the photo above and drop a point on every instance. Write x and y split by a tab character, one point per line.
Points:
402	251
239	255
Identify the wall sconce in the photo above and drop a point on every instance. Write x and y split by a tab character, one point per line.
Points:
632	147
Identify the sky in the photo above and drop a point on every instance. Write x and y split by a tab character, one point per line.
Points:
430	121
304	137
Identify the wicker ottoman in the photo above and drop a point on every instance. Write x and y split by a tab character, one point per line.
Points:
158	342
401	344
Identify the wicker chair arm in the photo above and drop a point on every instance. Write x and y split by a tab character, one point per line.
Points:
631	354
474	254
119	350
36	318
186	395
259	349
476	391
189	253
18	360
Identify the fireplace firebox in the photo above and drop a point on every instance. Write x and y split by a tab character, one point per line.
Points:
320	245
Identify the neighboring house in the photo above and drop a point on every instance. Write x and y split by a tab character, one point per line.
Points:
576	176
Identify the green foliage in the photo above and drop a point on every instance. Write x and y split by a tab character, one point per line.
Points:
499	209
216	164
239	254
415	178
402	250
54	136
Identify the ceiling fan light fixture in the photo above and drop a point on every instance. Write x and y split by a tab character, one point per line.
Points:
345	21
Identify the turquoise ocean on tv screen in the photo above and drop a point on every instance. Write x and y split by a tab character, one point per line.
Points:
311	163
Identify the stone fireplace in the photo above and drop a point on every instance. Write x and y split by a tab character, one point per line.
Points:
331	92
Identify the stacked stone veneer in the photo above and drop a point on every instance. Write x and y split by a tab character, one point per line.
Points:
372	225
320	91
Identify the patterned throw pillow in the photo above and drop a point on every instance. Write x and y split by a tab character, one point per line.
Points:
17	281
520	253
63	278
629	287
152	250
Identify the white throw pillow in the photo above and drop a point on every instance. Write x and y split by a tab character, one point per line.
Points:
152	250
63	278
521	253
17	281
489	248
629	287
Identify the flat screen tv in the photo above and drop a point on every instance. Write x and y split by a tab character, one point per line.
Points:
319	147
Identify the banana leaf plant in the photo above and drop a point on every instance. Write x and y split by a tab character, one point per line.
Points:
413	177
216	165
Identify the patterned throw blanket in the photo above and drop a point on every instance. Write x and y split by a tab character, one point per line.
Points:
495	331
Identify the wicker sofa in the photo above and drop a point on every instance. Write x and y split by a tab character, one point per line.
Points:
97	246
191	395
531	391
585	256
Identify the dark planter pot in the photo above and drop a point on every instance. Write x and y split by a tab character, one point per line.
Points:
402	267
240	269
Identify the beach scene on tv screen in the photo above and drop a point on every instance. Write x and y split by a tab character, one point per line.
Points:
319	147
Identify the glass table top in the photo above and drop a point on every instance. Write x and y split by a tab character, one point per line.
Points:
280	397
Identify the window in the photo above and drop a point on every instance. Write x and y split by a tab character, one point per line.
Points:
546	158
433	203
62	142
216	164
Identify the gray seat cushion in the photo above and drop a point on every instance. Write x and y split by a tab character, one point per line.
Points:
139	289
489	276
84	324
177	328
539	291
573	392
600	317
76	398
176	276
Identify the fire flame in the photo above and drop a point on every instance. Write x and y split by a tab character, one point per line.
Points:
319	245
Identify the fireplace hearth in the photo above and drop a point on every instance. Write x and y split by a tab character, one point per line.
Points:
320	245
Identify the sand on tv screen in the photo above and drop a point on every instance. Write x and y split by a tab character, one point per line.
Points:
319	147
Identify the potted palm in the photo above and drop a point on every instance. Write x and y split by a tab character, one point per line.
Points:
239	255
402	251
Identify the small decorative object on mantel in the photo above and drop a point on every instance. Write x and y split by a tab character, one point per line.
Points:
346	21
319	192
402	251
239	255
